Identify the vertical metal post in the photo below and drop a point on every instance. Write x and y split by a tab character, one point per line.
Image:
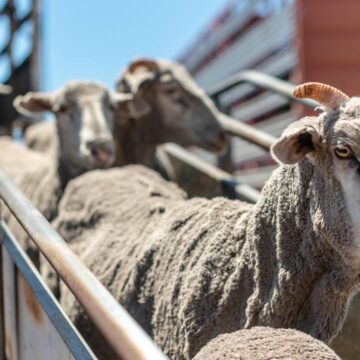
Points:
2	322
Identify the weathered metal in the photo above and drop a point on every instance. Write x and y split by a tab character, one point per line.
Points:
125	336
263	81
9	299
41	329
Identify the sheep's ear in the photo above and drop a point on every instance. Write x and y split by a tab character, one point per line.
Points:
34	102
130	106
297	140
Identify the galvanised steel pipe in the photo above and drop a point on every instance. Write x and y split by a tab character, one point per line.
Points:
263	81
247	132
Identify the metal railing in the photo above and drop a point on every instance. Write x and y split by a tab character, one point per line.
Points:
126	337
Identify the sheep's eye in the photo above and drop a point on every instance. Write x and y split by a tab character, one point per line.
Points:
172	91
343	152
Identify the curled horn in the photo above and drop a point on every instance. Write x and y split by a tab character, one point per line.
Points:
325	95
148	64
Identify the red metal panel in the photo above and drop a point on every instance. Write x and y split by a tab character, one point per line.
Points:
328	40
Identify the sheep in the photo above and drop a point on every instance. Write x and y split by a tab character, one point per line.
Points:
189	270
265	343
84	115
180	112
174	109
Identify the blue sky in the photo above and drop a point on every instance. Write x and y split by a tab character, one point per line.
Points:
94	40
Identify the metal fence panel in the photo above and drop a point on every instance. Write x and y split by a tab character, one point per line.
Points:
35	326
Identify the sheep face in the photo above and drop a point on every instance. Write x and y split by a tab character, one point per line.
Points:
331	142
188	117
84	116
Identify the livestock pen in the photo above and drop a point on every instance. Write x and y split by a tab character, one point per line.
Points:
32	324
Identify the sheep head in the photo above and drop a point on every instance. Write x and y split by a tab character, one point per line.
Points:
331	142
5	89
186	114
84	114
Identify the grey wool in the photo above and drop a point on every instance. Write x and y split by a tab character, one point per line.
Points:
39	179
265	343
190	270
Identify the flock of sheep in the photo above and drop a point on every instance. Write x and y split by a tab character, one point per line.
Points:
207	279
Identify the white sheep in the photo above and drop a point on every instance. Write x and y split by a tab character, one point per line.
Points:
189	270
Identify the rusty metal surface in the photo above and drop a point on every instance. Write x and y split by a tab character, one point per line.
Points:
125	336
41	329
10	303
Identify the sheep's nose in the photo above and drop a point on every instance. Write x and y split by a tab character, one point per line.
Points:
102	151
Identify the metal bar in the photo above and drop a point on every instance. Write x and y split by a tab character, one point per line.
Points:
263	81
66	330
247	132
126	337
2	320
243	191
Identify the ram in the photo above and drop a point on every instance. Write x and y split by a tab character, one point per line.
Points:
189	270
